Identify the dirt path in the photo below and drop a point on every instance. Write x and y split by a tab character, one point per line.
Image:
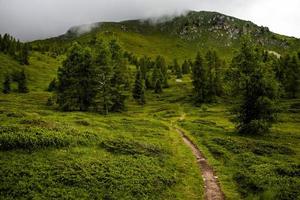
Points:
212	188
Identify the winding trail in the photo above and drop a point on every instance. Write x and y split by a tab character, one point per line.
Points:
211	185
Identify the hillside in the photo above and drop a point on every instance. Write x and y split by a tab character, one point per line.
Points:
140	152
180	37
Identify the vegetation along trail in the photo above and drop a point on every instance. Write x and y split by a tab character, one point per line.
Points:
212	188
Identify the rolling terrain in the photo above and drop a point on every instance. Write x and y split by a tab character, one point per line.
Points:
138	153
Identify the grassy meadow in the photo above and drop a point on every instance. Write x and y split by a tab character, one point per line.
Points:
137	154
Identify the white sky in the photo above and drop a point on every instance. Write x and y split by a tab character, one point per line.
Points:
34	19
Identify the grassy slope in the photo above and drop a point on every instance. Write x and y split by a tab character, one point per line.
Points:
40	72
49	154
46	153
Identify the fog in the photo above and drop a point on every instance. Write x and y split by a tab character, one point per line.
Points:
37	19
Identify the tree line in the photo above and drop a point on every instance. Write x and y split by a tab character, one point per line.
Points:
99	79
18	50
18	77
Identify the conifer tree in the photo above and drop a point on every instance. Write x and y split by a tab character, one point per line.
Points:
145	65
258	91
291	75
6	84
24	55
177	69
22	82
138	92
185	67
199	79
104	73
214	85
157	80
76	80
52	85
160	63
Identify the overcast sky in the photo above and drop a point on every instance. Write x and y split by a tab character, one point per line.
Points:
36	19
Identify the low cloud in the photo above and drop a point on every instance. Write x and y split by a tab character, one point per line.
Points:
36	19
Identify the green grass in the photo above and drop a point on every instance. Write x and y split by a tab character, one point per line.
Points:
46	154
248	167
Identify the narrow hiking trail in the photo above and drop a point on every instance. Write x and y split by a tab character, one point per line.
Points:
211	186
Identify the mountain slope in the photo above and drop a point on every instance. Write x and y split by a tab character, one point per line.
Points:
180	37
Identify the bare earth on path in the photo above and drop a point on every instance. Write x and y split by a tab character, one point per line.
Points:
212	188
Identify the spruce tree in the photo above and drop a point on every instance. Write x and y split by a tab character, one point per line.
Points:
145	65
292	76
104	74
52	85
22	82
157	80
160	63
138	92
76	80
24	54
199	79
185	67
258	90
177	69
6	84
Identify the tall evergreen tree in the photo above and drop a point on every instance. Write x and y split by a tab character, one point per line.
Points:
177	69
76	80
138	92
104	73
160	63
145	65
22	82
199	79
52	85
24	54
185	67
6	84
291	76
157	80
214	84
258	90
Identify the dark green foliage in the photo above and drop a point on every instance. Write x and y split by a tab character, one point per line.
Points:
288	73
9	45
24	54
259	91
160	63
199	79
76	80
138	92
52	85
22	82
111	79
186	67
145	64
157	80
177	69
121	146
214	75
12	138
6	84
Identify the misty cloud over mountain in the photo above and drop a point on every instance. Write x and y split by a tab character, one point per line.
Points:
36	19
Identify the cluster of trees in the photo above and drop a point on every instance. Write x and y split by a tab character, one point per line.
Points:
154	74
99	79
178	70
207	77
18	77
256	78
91	80
256	90
20	51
